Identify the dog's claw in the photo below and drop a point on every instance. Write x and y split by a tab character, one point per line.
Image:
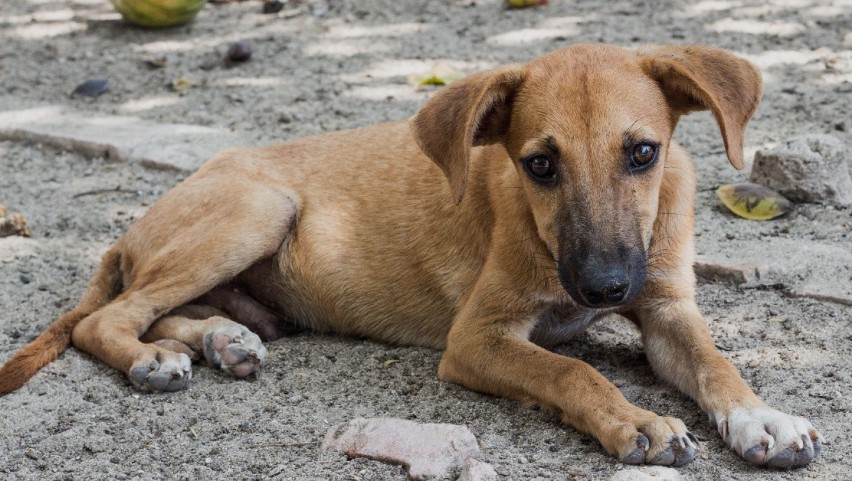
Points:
692	438
234	349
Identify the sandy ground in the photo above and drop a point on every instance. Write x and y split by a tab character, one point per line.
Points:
326	66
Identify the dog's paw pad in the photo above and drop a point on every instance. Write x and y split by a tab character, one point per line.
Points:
769	437
665	458
637	455
685	449
171	372
234	349
756	454
783	459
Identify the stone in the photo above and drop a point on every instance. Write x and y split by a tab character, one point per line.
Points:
427	450
732	272
13	224
801	268
179	147
477	471
807	168
647	473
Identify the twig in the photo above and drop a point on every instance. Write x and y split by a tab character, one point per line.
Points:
105	191
284	445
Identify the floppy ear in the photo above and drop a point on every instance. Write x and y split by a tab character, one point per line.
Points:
473	111
699	78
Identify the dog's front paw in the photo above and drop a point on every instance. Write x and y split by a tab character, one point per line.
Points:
234	349
765	436
663	441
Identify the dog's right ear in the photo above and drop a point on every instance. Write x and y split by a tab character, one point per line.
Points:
473	111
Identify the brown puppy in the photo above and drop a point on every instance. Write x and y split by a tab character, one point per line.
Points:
564	200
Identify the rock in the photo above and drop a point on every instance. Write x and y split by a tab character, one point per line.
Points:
477	471
178	147
733	272
272	6
800	268
92	88
807	168
646	473
428	450
13	224
238	52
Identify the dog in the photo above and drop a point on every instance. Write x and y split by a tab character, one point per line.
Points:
517	207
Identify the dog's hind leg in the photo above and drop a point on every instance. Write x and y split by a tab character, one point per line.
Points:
224	343
239	306
201	234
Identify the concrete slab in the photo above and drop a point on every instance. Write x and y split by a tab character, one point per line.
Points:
167	146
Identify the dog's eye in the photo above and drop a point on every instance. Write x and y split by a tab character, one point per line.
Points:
540	168
642	155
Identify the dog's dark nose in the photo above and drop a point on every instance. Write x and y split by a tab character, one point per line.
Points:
603	277
606	290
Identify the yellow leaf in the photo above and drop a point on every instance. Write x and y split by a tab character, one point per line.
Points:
753	201
439	74
391	362
182	84
525	3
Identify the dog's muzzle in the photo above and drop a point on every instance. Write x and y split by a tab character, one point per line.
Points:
601	279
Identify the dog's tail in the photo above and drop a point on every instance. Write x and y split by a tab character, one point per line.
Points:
104	286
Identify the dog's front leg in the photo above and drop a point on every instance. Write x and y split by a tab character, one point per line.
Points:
679	347
488	351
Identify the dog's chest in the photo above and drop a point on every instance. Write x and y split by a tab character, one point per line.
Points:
561	323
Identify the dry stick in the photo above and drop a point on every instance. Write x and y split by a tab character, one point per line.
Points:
105	191
284	445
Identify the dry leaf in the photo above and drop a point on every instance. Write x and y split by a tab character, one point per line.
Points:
525	3
753	201
182	84
439	74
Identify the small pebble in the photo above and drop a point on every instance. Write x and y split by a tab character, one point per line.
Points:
273	6
239	52
92	87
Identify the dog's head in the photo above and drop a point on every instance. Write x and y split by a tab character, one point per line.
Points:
588	129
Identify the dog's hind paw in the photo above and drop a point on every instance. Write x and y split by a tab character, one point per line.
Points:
234	349
170	371
765	436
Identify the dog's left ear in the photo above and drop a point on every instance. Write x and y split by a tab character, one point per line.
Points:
700	78
472	111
